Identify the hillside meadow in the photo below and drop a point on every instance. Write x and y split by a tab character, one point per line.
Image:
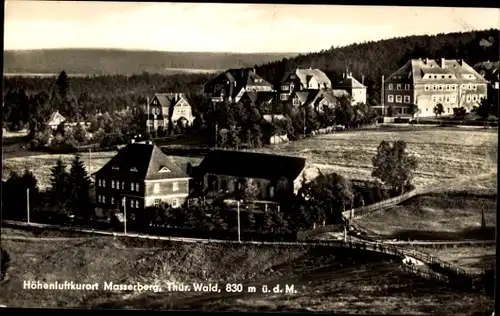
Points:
330	280
443	154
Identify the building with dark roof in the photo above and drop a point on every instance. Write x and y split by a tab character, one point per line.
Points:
490	71
428	82
224	173
140	175
168	110
233	83
302	79
356	89
315	99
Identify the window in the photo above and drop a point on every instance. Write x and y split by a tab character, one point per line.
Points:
469	87
112	200
296	101
283	96
175	186
449	110
407	87
390	98
103	199
474	98
450	76
136	203
440	87
426	87
440	98
442	77
468	98
454	87
132	203
434	87
447	99
175	202
390	86
398	86
99	182
99	198
448	87
133	169
157	202
112	184
132	186
137	187
463	86
399	99
407	99
116	168
156	188
434	98
474	87
123	185
285	87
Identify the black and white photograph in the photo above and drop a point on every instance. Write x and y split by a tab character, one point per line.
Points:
249	157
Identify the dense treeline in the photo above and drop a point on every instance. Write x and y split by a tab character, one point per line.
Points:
115	61
374	59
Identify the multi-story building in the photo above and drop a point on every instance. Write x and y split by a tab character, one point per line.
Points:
232	84
224	173
356	89
315	99
301	80
427	82
140	175
491	72
167	110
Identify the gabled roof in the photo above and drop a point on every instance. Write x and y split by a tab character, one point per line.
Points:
350	82
55	115
246	77
259	97
305	74
245	164
141	161
417	68
169	99
489	70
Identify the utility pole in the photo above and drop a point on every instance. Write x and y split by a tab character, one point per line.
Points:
90	161
147	110
125	215
382	99
28	203
304	110
239	233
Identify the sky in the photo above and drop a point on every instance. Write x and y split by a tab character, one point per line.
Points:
217	27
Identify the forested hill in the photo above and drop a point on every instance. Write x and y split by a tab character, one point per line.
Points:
114	61
374	59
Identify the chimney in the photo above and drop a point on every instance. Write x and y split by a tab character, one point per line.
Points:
442	62
426	61
362	79
350	74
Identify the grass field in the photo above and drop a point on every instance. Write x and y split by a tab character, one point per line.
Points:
443	153
324	280
40	165
443	216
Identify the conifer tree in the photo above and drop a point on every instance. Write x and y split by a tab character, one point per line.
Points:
79	184
59	184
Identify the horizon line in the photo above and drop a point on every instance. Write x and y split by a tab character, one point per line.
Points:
236	52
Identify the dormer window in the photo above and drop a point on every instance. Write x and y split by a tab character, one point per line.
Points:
133	169
164	169
116	168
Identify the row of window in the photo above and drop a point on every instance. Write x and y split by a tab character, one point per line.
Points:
117	184
399	98
453	98
450	87
133	203
399	86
